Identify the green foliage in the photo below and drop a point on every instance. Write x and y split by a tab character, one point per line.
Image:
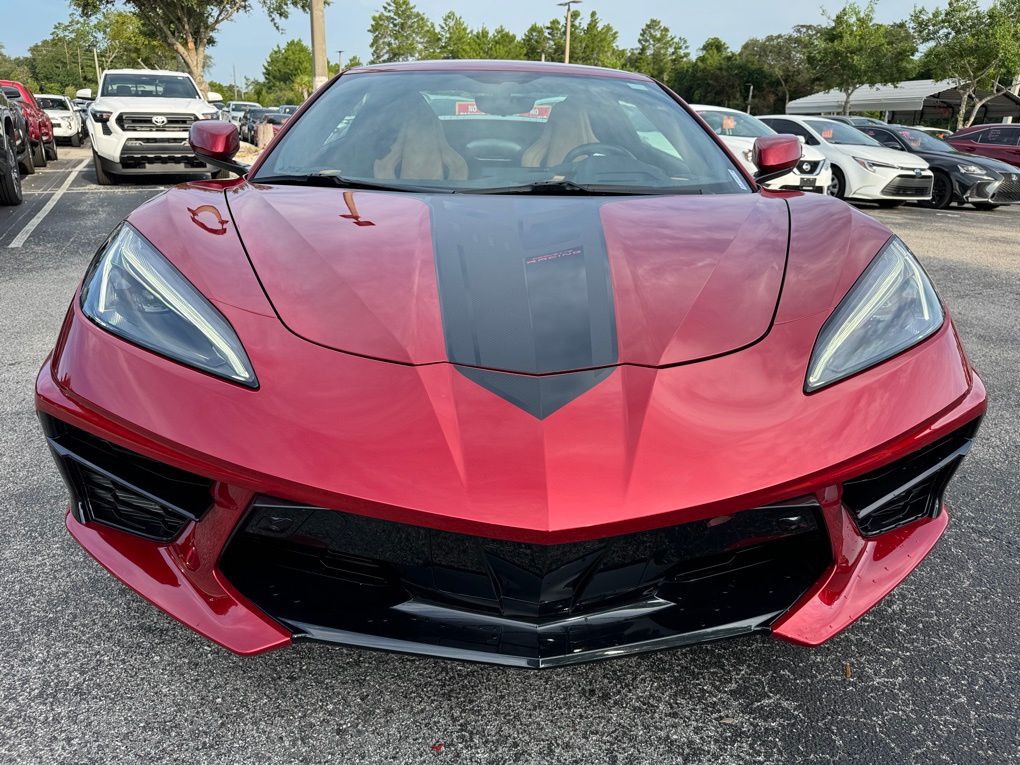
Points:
455	38
718	76
853	50
659	53
400	32
287	74
977	47
782	61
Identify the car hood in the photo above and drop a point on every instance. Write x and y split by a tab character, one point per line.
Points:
883	154
987	163
517	283
154	105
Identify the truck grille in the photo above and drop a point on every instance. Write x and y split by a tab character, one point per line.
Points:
141	123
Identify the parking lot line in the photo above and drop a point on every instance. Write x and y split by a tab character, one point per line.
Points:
39	216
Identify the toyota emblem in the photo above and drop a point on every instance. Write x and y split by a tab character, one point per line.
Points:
159	120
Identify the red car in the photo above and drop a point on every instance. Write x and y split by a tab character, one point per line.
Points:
508	362
40	127
997	141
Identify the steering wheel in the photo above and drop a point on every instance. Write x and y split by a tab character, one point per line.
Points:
596	148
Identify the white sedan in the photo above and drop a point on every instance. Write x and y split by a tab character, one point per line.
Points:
67	122
738	131
861	167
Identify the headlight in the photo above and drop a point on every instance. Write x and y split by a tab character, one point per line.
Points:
890	308
134	292
870	165
971	169
98	115
208	115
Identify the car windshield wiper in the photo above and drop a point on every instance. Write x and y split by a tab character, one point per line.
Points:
339	181
572	187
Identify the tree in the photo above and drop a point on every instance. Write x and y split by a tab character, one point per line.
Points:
353	61
189	26
500	44
658	53
287	73
853	51
455	38
594	43
718	76
535	43
784	58
979	49
400	32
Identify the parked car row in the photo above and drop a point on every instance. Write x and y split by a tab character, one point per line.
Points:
268	115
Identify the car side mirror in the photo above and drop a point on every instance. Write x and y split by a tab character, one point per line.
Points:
216	143
84	93
775	155
212	96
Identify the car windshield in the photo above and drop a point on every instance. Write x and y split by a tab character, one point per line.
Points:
918	140
49	102
502	132
276	118
240	106
735	124
12	93
148	86
836	132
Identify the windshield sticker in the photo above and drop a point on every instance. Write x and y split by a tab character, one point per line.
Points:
729	123
827	134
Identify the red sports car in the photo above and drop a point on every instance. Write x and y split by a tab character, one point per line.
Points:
509	362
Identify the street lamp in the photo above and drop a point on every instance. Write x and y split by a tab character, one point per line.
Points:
566	50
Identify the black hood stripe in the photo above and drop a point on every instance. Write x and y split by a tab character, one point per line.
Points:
525	288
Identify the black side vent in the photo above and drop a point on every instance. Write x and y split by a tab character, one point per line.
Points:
119	488
910	488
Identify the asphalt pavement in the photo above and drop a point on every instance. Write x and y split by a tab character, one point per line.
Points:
89	673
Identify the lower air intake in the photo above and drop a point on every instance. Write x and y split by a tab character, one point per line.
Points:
910	488
116	487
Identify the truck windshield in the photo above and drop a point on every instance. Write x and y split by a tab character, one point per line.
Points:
140	85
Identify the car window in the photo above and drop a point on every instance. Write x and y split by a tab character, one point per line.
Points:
884	137
52	103
1001	136
735	124
838	133
141	85
922	141
493	130
793	128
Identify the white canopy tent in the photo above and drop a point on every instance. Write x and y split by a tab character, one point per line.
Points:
909	102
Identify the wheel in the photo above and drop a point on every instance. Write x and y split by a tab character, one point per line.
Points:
103	178
51	149
39	154
10	181
27	165
837	186
76	140
986	206
941	193
888	204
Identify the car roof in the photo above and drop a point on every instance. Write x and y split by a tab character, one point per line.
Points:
544	67
145	71
695	107
50	95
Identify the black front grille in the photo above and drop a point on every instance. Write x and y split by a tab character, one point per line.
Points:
141	123
909	186
809	167
119	488
910	488
334	575
1008	191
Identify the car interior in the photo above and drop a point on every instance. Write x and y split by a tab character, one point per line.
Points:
498	137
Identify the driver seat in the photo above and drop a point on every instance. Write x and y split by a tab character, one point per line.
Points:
568	126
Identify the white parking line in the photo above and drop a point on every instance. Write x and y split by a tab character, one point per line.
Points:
26	232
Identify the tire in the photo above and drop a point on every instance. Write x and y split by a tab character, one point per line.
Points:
10	180
837	186
28	164
39	154
985	206
889	204
51	150
941	193
76	140
103	178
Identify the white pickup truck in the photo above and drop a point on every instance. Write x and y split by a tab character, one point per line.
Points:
140	120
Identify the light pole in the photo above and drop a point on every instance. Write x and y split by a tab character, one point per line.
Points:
319	69
566	50
340	60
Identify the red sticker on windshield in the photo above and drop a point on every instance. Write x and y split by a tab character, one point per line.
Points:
728	123
827	134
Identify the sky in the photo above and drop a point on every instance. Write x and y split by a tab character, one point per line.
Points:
244	42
